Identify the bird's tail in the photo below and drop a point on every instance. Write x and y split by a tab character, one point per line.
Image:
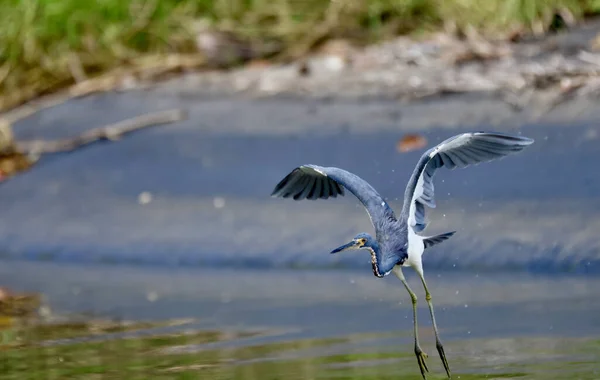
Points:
433	240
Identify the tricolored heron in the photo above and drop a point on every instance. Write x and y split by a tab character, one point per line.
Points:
398	243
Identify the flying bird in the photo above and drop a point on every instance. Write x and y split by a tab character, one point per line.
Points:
398	241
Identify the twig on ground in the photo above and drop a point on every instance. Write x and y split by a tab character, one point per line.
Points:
109	132
140	73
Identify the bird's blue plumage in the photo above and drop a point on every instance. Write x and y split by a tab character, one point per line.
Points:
313	182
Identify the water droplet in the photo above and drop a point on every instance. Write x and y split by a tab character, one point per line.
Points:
219	202
152	296
45	311
466	306
456	292
144	198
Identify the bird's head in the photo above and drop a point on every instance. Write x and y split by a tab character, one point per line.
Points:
362	240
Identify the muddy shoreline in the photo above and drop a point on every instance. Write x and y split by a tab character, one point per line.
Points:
540	72
555	76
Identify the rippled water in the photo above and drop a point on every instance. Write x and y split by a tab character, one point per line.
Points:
347	357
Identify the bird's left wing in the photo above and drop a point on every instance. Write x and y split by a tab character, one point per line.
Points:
456	152
314	182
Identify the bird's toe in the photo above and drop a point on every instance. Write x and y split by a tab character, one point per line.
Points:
421	359
440	350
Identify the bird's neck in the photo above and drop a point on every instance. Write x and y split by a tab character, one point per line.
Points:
374	251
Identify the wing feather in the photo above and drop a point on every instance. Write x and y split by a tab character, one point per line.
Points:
313	182
325	190
300	184
457	152
316	190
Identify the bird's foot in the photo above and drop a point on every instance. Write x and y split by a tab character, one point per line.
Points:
421	356
440	350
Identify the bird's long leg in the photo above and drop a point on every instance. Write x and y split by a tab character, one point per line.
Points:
438	343
421	356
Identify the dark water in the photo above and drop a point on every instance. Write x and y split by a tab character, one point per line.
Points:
211	176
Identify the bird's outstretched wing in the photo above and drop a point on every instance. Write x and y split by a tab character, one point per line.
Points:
314	182
457	152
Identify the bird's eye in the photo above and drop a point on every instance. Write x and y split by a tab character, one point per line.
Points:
363	241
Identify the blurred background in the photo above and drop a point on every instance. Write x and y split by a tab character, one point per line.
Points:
160	254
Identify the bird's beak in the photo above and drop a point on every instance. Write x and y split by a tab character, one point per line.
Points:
352	245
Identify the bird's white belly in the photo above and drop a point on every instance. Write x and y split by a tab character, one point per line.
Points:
415	249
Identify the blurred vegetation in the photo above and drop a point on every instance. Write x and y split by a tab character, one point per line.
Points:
17	305
48	44
84	353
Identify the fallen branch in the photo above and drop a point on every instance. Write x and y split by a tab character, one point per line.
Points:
110	132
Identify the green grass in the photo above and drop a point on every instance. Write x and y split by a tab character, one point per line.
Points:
46	44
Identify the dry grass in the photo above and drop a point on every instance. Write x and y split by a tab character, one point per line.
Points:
49	44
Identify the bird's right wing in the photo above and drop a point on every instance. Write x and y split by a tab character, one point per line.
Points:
313	182
457	152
